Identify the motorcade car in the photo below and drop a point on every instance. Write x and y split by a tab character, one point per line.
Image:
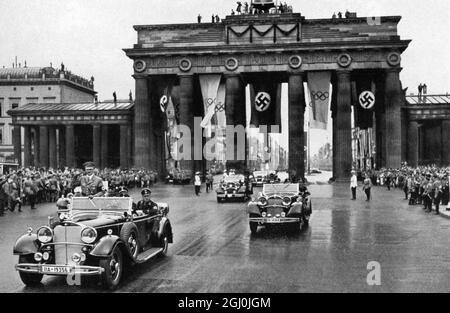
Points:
259	178
183	177
280	204
233	187
94	236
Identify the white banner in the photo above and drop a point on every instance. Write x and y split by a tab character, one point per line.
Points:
220	106
320	96
209	85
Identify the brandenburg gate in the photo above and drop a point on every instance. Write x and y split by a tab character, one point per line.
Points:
281	47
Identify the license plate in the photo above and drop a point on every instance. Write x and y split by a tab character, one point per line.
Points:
229	196
56	269
274	220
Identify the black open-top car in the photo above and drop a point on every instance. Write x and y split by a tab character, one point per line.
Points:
233	187
95	236
280	204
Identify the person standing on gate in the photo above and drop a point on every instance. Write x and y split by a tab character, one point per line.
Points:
353	184
367	185
197	183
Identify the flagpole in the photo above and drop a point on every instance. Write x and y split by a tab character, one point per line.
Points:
309	147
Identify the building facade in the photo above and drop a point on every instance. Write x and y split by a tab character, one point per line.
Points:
20	86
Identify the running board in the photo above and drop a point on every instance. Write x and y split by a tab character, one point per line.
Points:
148	254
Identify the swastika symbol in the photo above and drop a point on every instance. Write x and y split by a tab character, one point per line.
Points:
262	101
367	100
163	103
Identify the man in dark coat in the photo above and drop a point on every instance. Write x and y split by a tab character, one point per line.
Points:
91	184
3	195
147	205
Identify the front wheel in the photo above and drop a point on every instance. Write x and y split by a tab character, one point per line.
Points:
112	267
29	279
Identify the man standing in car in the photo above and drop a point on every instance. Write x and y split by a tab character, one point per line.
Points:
91	185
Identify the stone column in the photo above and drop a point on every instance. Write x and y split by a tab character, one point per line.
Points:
235	114
17	143
142	124
52	147
413	143
70	145
37	145
445	143
187	115
343	133
130	143
96	142
27	147
123	146
62	147
104	147
43	146
393	103
296	111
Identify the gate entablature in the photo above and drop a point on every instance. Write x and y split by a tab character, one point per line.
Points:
267	42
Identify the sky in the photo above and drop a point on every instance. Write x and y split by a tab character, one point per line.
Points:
88	35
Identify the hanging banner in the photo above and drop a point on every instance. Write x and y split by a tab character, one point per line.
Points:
320	96
265	97
364	104
209	85
220	117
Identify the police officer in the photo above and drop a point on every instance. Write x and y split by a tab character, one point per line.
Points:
91	184
147	205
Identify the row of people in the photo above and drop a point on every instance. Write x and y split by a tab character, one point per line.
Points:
424	185
38	185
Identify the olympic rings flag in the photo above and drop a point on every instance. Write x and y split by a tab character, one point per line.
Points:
320	95
209	84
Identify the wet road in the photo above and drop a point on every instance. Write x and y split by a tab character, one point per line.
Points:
213	250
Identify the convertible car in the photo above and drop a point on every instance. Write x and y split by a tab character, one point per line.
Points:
260	178
280	204
97	236
232	187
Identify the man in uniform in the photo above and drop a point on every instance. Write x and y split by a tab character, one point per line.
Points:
91	185
147	205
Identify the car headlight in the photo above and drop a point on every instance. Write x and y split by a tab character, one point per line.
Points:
44	234
88	235
262	201
286	201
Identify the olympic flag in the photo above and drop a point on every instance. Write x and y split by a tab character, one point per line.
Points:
320	96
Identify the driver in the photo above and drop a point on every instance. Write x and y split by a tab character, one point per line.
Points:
147	205
91	185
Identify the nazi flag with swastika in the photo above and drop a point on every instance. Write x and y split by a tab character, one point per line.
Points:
265	99
364	102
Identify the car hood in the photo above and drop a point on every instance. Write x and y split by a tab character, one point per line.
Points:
102	221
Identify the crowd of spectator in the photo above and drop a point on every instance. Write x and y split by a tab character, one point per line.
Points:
39	185
423	185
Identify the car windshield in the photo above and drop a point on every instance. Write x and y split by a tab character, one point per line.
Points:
101	205
233	178
259	173
280	188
